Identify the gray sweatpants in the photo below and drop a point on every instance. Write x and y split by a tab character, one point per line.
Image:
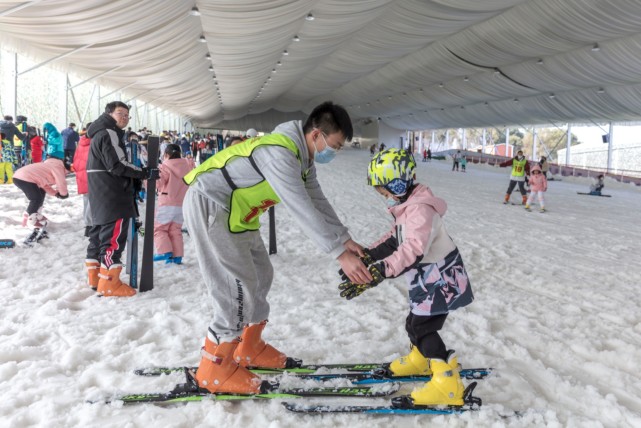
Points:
235	267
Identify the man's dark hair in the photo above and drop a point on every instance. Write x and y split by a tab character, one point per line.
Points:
21	118
8	117
72	125
234	139
330	118
112	106
132	134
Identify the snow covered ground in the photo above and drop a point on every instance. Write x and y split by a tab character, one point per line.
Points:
556	312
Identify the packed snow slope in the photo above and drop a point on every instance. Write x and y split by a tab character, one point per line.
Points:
556	311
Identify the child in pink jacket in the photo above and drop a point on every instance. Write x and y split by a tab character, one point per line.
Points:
37	180
418	247
538	187
171	190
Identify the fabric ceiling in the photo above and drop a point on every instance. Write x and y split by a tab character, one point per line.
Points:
415	64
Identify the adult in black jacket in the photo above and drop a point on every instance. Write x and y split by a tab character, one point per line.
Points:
111	178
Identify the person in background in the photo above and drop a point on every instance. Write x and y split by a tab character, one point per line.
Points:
456	158
222	207
171	189
418	247
37	180
80	158
55	145
251	133
70	140
545	166
37	145
538	187
520	168
12	134
463	163
110	178
8	160
597	185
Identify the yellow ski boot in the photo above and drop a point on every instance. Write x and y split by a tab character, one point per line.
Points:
445	387
412	364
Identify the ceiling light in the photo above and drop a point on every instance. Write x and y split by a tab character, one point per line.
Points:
540	62
208	57
194	11
440	85
497	72
466	79
420	90
389	98
516	100
296	39
600	91
211	68
309	17
285	53
596	48
203	39
486	103
279	63
552	96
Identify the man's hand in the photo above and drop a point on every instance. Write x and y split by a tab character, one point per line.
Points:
354	268
349	289
59	196
354	248
151	173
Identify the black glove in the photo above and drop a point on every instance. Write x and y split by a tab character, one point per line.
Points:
366	259
349	290
151	173
59	196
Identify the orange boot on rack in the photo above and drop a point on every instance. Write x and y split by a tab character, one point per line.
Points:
254	352
218	372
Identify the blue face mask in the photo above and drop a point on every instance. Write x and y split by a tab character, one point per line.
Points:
326	155
391	202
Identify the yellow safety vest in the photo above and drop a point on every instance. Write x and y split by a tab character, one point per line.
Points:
518	167
248	203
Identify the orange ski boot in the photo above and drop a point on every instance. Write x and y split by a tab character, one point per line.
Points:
218	372
524	200
93	268
109	283
254	352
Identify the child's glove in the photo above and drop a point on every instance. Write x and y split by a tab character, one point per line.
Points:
349	290
366	259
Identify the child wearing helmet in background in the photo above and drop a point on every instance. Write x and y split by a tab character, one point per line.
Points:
418	246
538	187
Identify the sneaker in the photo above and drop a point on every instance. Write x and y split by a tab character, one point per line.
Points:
542	210
527	207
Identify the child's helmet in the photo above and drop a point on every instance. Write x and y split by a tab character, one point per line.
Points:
394	169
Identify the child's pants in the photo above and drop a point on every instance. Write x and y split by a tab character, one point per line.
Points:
423	333
541	196
6	168
168	236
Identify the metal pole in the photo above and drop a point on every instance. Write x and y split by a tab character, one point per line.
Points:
507	143
483	142
568	145
534	135
610	141
13	98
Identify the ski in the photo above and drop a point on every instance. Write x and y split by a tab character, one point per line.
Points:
188	392
302	369
359	374
134	224
147	266
591	194
399	406
7	243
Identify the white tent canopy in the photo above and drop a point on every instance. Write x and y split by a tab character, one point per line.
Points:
415	64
